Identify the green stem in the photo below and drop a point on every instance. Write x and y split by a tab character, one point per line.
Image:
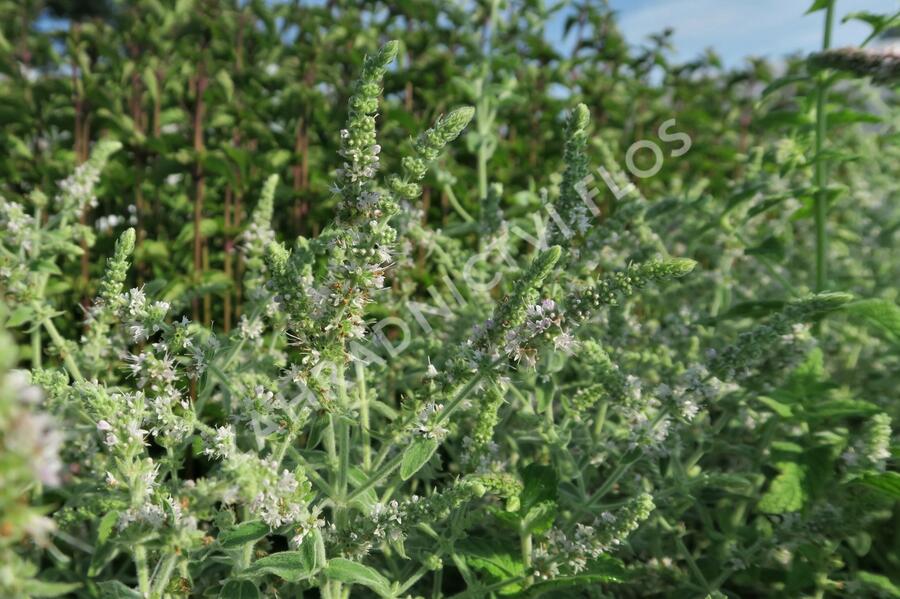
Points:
60	344
143	571
422	571
163	576
365	439
437	585
482	165
344	450
464	392
36	348
451	197
821	167
692	564
342	433
600	420
331	446
283	446
525	544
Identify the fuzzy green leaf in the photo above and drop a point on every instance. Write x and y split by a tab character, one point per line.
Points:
539	519
494	559
113	589
20	316
417	455
313	550
351	572
292	566
104	528
243	533
40	588
239	589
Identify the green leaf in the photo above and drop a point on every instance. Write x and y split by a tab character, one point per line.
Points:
151	83
819	5
313	550
113	589
842	408
102	556
40	588
771	247
783	82
224	80
783	410
787	447
47	266
879	582
20	316
366	500
152	250
239	589
104	528
350	572
540	518
292	566
849	117
860	543
243	533
886	482
417	455
208	228
877	22
539	485
880	314
785	493
494	559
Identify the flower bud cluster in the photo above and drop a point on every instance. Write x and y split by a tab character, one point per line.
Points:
610	289
570	554
513	310
77	191
753	347
873	449
570	206
883	66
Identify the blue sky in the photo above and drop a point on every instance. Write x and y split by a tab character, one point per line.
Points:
735	29
740	28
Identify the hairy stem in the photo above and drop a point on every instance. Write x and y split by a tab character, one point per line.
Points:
143	571
364	434
60	344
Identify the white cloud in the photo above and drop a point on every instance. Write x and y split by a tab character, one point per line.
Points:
739	28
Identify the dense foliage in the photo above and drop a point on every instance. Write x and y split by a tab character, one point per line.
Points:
294	310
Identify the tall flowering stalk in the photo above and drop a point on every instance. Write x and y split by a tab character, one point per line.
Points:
574	424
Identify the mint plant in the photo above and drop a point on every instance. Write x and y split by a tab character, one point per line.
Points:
463	363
